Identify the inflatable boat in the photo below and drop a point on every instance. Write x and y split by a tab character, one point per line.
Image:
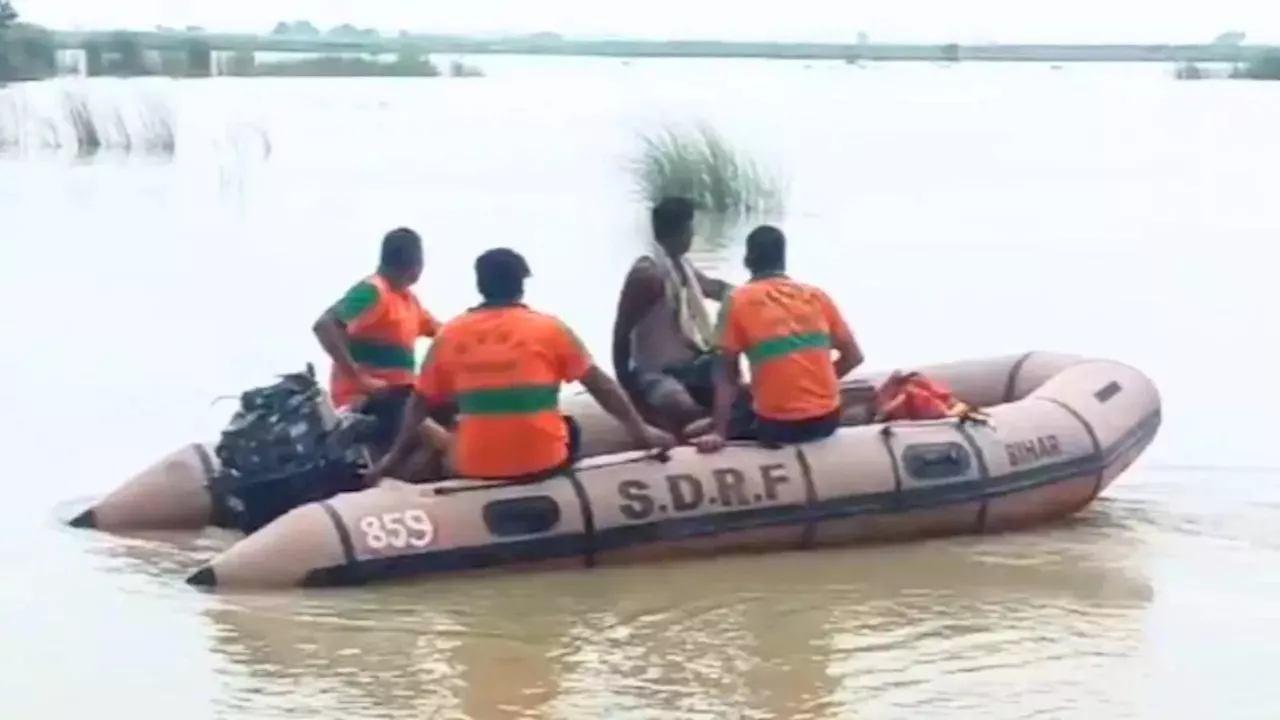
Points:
181	491
1058	429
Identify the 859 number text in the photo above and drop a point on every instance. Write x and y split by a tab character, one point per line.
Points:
398	530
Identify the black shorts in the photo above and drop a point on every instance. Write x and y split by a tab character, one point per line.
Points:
697	379
775	433
386	407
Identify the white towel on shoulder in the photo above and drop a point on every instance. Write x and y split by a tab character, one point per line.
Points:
686	296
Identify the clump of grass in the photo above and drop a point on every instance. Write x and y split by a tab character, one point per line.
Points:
10	136
156	128
19	126
72	121
700	164
85	129
108	129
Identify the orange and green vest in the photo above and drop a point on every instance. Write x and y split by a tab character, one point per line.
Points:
503	366
383	324
785	329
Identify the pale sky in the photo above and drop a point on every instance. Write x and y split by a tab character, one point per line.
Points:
813	20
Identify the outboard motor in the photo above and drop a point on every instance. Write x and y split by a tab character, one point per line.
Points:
285	447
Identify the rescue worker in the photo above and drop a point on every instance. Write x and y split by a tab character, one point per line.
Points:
503	363
787	330
663	350
370	335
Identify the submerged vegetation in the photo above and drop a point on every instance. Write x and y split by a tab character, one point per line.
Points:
83	120
702	165
86	126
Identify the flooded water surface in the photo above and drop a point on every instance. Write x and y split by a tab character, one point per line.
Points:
961	212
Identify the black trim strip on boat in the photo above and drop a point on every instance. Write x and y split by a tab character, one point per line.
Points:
1084	422
85	520
1011	384
984	470
206	461
460	560
886	441
980	520
1093	438
588	519
487	485
560	546
810	498
344	535
220	515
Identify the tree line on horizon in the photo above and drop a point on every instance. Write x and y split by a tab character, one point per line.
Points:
29	52
347	31
26	51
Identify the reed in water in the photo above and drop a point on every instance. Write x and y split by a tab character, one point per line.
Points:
701	164
85	125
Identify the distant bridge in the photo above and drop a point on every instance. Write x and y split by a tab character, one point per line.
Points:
179	40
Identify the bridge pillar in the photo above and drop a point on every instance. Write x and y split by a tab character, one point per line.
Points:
130	58
199	59
94	65
240	63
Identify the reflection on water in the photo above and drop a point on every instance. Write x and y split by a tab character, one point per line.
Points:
795	635
1062	623
962	213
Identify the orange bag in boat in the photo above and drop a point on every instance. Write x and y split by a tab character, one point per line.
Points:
912	396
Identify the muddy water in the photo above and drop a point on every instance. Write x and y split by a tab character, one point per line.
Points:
952	212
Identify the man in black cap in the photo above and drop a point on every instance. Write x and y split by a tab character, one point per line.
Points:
787	330
503	364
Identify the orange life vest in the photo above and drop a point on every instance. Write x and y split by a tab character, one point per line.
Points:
785	328
383	324
912	396
504	365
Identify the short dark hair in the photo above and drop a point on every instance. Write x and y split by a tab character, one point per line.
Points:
500	274
401	249
670	216
766	249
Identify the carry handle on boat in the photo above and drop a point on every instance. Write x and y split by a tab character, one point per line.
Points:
934	456
936	461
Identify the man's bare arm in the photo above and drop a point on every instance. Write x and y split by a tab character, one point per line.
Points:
728	377
714	288
641	289
332	335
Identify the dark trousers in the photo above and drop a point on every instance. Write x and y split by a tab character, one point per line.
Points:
386	407
697	377
776	433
